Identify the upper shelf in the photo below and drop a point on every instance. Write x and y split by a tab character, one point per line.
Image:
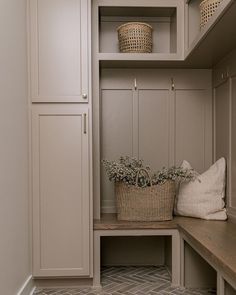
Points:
166	18
203	48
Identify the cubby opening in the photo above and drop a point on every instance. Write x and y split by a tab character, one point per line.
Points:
198	274
229	290
150	255
136	251
162	19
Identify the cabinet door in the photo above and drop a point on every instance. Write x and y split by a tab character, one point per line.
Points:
222	114
232	173
60	158
193	118
59	33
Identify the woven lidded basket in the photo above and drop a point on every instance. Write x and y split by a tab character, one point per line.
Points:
152	203
135	37
207	9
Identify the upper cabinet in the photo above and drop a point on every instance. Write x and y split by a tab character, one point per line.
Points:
165	17
59	50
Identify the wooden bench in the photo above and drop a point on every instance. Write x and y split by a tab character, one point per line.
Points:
214	241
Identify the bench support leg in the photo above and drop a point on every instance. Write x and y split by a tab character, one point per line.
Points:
220	285
97	261
176	268
182	263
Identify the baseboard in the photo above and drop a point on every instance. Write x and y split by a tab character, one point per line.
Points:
62	282
27	288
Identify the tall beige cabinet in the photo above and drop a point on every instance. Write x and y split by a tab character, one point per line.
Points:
59	42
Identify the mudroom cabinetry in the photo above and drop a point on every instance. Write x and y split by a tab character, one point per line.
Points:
61	119
59	43
162	116
61	232
224	79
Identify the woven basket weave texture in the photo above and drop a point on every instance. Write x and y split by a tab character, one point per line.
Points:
207	9
135	37
152	203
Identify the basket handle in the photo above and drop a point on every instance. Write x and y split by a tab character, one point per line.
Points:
137	177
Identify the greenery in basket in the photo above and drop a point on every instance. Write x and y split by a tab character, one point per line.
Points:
131	171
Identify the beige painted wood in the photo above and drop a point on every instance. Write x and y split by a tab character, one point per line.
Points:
154	127
61	196
232	201
222	125
62	283
161	33
203	44
192	127
168	36
136	251
229	290
142	116
116	135
221	98
220	289
193	21
59	50
224	80
214	241
173	233
197	272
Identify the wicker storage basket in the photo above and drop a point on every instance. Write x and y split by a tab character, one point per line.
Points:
152	203
207	9
135	37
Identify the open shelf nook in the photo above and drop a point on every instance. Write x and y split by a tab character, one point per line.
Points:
162	20
166	19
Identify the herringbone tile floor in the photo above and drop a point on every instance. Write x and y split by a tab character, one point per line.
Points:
145	280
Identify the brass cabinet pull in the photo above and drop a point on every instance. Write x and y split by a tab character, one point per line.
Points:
172	84
85	123
135	84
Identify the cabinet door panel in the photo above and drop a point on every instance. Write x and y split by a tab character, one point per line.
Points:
222	124
116	133
192	122
59	45
154	127
60	191
222	121
233	146
165	119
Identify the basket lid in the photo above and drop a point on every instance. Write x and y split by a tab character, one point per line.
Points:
134	23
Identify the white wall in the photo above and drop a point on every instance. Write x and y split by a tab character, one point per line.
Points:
14	223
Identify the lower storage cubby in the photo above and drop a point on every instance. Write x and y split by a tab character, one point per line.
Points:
229	290
143	265
197	272
126	251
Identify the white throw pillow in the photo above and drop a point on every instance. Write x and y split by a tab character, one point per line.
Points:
203	197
